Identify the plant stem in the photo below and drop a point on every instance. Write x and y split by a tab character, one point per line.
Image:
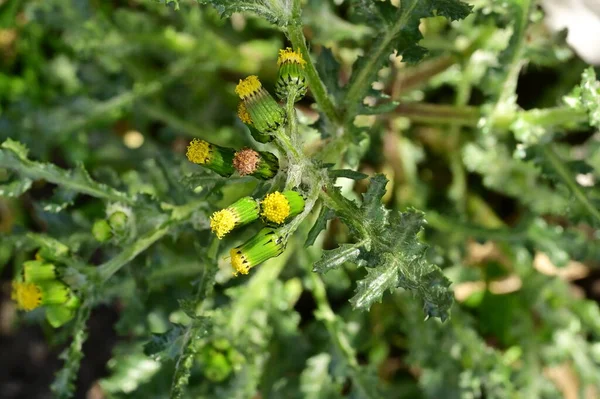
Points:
412	78
361	79
559	117
316	85
165	115
179	215
439	114
69	179
564	174
338	336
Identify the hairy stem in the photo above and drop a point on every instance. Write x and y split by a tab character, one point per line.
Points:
361	82
316	85
566	177
559	117
337	335
179	215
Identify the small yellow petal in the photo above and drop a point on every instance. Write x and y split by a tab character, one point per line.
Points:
222	222
243	114
239	262
288	55
248	86
27	295
275	207
198	151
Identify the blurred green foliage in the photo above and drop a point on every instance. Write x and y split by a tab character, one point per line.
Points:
98	101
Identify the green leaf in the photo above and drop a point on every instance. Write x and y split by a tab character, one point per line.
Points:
63	386
329	71
586	96
15	188
13	156
129	369
337	257
378	280
372	207
391	249
276	12
316	382
399	31
166	345
189	350
382	108
50	248
320	224
60	200
347	173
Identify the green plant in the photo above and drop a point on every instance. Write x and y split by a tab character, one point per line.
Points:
147	221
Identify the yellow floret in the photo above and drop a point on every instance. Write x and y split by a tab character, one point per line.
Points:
248	86
243	114
239	262
288	55
222	222
198	151
275	207
27	295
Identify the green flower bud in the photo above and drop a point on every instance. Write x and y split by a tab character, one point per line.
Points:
101	230
57	315
266	115
54	293
262	165
278	207
216	365
36	271
118	221
245	117
264	245
241	212
291	78
211	156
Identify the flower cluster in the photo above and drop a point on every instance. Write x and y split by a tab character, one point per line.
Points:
39	285
274	209
261	113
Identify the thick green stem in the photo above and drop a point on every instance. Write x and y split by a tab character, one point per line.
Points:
566	177
559	117
77	181
337	335
439	114
316	85
361	80
179	215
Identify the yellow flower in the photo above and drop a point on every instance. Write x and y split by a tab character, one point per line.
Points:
288	55
211	156
275	207
243	114
266	244
222	222
27	295
264	112
248	87
239	261
291	80
199	151
243	211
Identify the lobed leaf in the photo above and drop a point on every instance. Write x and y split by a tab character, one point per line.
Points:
274	11
337	257
399	31
320	224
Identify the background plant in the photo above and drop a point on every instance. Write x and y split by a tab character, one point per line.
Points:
99	102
